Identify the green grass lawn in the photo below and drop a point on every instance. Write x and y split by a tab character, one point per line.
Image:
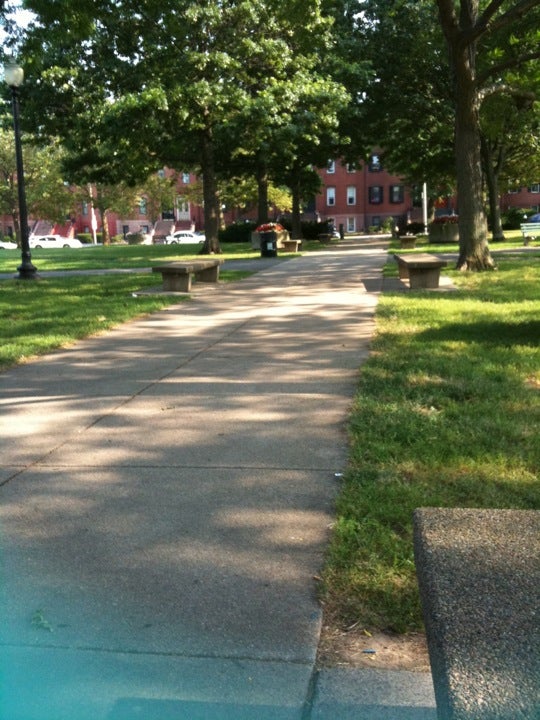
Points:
99	257
37	317
447	415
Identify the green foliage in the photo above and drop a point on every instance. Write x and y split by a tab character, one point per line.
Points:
407	106
135	238
126	103
311	229
444	416
237	232
513	217
88	239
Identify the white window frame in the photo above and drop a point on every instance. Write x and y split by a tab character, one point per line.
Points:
400	191
351	195
331	196
331	167
351	224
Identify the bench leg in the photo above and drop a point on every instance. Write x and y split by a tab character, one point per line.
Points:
177	283
403	272
422	278
208	275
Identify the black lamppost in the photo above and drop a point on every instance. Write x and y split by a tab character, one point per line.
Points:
14	75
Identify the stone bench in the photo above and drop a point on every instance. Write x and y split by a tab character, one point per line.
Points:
177	276
529	230
421	269
290	245
479	578
407	242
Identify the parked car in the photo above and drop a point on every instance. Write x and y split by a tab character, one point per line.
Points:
54	241
184	237
533	218
7	245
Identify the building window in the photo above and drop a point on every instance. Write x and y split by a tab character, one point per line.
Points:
142	206
375	163
351	195
396	193
161	174
351	168
185	178
514	191
376	221
351	224
535	188
330	195
85	208
331	167
375	194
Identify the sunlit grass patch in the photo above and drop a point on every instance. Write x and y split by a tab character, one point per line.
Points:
446	415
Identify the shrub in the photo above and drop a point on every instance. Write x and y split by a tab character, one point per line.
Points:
237	232
87	239
412	228
311	229
388	224
513	217
135	238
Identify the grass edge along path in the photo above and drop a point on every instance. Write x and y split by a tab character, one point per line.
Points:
39	317
446	414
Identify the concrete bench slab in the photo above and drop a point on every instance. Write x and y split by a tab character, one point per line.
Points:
421	269
479	578
177	276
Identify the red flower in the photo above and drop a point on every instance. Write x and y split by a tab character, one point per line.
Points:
445	220
268	227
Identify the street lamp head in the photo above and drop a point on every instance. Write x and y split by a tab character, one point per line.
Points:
13	75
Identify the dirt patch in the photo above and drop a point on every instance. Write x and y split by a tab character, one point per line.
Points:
363	648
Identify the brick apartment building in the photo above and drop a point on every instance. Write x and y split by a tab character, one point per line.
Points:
356	197
362	197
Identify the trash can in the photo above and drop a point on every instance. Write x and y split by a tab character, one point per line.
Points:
268	244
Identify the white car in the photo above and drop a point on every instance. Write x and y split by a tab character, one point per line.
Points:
54	241
7	245
184	237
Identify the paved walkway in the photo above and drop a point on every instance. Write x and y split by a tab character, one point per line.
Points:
166	495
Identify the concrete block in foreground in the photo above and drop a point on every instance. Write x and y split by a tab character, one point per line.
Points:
479	578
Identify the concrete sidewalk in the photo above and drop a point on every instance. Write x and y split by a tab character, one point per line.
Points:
166	495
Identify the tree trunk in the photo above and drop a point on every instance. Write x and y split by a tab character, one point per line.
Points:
491	171
473	232
262	194
210	195
296	206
